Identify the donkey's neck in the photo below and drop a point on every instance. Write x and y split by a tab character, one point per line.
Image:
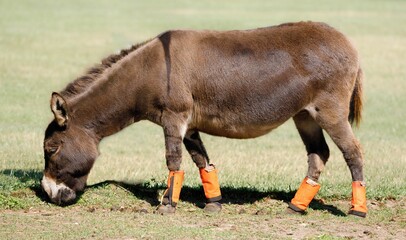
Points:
112	102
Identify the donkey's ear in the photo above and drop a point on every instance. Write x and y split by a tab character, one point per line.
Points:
60	109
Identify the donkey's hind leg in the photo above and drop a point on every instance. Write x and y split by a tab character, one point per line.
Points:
208	173
316	146
343	136
318	154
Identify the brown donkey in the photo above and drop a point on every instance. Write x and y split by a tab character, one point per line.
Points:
236	84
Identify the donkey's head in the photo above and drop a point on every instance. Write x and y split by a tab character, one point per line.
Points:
70	151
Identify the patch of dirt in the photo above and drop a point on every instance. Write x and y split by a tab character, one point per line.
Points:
265	219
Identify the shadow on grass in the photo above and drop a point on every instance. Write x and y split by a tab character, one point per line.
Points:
25	179
23	176
231	195
149	193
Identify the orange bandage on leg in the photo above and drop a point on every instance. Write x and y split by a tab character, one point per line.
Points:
304	195
359	199
172	193
210	183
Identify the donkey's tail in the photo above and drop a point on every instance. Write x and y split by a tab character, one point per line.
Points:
356	100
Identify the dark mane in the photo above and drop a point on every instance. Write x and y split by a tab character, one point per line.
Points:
82	83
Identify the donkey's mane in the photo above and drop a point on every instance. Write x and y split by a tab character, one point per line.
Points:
82	83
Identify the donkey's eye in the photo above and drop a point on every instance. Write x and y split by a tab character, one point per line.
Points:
52	150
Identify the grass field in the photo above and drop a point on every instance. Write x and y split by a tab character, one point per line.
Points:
45	45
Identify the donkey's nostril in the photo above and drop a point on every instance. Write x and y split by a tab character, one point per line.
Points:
67	195
64	196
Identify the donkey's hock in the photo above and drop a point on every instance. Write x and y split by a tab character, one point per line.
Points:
235	84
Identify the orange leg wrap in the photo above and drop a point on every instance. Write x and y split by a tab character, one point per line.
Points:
172	193
304	195
210	183
359	199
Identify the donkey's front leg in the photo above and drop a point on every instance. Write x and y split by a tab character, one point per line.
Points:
174	131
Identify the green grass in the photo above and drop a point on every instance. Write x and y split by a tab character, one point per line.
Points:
45	45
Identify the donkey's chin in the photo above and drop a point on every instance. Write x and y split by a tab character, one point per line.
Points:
59	194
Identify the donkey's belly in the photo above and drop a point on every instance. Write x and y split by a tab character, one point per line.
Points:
245	117
219	127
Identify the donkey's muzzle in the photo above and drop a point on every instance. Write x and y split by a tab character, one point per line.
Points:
65	196
59	194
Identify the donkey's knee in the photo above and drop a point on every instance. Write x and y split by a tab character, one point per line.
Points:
173	153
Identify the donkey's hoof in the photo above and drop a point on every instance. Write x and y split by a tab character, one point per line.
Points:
165	209
213	207
292	209
357	213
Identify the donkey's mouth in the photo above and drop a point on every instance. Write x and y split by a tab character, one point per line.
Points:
59	194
